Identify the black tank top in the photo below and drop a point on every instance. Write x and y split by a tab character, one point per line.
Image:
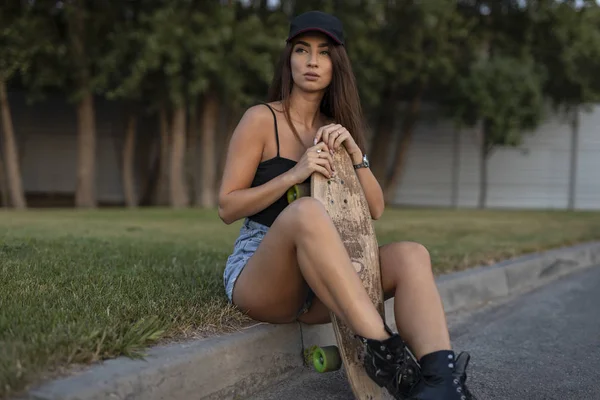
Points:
266	171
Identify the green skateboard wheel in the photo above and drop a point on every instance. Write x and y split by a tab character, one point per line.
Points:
297	191
326	359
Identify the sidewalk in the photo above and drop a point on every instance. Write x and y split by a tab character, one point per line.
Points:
236	365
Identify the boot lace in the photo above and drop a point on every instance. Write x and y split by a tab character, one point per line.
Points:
460	382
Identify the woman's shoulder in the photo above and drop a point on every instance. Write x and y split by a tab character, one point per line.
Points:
260	113
256	122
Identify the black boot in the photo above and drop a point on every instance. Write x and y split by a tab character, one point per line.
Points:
390	364
443	376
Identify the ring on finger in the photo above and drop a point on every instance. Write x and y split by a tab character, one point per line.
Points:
319	150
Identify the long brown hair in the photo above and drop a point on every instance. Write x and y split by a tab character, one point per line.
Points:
341	102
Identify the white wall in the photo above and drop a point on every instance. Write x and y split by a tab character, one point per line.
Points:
588	165
534	175
46	135
427	179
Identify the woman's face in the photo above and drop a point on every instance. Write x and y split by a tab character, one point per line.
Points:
311	63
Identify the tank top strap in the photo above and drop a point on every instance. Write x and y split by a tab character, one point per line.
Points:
275	123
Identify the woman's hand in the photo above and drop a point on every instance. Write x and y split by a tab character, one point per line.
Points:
334	135
315	159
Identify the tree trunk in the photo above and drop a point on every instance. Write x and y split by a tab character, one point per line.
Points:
128	162
408	127
178	187
3	187
383	137
483	177
192	154
85	195
455	167
210	113
150	173
11	153
574	157
162	187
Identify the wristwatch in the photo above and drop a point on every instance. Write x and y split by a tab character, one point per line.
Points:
364	164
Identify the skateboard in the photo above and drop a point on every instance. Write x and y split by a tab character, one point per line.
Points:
344	200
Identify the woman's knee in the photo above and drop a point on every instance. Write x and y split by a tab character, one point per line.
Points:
305	212
403	260
415	251
408	256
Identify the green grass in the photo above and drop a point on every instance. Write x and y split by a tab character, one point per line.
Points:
82	286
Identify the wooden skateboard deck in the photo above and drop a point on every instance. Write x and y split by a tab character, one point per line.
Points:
344	199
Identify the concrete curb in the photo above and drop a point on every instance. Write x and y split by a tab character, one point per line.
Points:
236	365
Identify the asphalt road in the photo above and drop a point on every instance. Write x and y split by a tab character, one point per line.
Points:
543	345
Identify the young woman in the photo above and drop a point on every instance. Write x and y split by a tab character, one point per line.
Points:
289	262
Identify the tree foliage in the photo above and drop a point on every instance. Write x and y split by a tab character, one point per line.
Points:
504	92
24	42
183	49
567	45
484	62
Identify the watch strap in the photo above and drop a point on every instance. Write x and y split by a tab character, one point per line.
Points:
363	164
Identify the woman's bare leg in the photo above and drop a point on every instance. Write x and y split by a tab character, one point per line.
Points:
407	276
418	309
303	246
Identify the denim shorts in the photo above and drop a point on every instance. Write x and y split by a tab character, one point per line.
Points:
251	234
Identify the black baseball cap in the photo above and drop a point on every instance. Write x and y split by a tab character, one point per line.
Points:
317	21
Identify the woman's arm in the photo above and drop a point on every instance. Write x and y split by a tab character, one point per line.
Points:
236	199
371	187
